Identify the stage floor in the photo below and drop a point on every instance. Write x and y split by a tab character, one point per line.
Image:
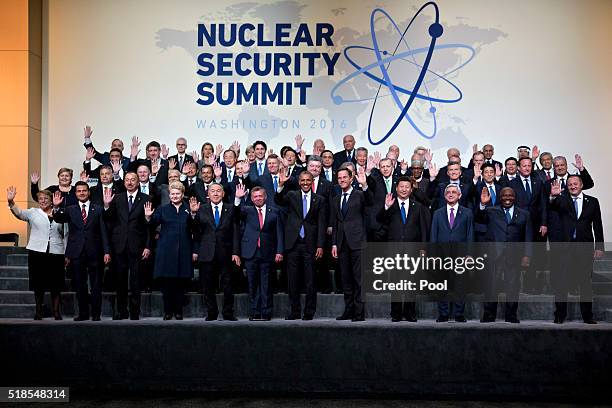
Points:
495	360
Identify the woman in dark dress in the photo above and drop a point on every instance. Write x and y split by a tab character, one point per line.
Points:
173	261
64	178
45	247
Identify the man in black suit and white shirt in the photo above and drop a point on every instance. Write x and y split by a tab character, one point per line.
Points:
181	157
88	247
130	243
346	155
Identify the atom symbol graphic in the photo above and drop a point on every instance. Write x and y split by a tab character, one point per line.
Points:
420	89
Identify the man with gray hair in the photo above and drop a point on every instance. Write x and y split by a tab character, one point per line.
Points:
181	157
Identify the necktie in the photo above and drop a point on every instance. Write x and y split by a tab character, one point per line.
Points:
547	174
180	163
314	185
130	203
451	220
528	189
493	195
403	211
84	214
508	217
575	208
229	175
563	184
260	171
327	175
304	212
143	188
105	190
388	184
275	183
344	206
261	222
348	156
217	216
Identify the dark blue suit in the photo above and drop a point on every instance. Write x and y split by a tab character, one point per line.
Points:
480	230
87	244
461	231
259	247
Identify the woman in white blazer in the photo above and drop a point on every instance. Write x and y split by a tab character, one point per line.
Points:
45	250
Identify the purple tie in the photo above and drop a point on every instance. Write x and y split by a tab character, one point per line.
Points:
452	217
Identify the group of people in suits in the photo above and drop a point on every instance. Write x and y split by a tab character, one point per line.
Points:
301	213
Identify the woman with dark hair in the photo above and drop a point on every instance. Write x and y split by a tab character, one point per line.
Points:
64	185
45	250
173	261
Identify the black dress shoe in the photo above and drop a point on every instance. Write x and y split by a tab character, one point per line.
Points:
460	319
37	317
411	318
134	317
266	318
167	317
590	321
293	316
81	318
487	319
230	318
211	318
396	319
95	318
308	317
442	319
178	316
254	318
57	316
358	319
344	316
559	320
117	317
512	320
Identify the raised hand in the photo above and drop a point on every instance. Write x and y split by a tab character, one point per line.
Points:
282	178
377	158
474	148
194	205
172	163
302	156
498	170
57	199
270	152
107	197
116	165
369	166
428	156
485	197
148	209
389	200
87	132
404	166
299	142
555	188
89	153
578	162
316	150
218	150
535	152
235	147
135	147
83	176
284	162
361	177
477	173
217	170
196	157
11	192
240	191
35	177
433	171
246	167
154	167
165	151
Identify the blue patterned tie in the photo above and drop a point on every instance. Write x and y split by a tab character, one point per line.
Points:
275	183
508	218
217	218
493	195
260	171
304	212
403	210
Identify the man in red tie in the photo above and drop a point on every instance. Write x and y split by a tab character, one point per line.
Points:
261	247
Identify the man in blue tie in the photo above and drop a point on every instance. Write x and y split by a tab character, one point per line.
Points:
511	225
304	240
346	155
490	183
217	245
258	167
327	160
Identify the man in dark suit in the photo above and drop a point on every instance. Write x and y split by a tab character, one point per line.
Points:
258	167
488	181
454	157
454	171
158	167
452	223
547	172
510	172
530	194
217	231
404	221
229	166
348	212
383	183
200	189
87	247
327	169
487	151
421	188
114	163
305	228
130	243
582	233
262	246
180	158
346	155
106	183
270	180
146	187
290	163
105	158
509	225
